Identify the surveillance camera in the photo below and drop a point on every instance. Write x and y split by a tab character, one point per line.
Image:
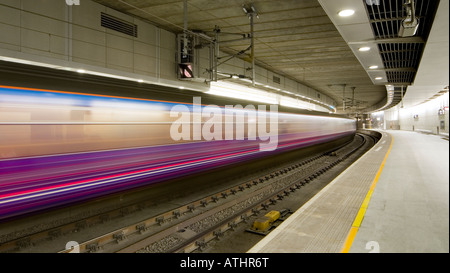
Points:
408	28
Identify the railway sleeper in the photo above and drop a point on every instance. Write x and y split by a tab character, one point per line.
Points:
54	233
201	244
232	226
92	247
191	208
245	218
255	211
120	236
141	228
81	225
177	213
218	234
105	218
23	243
160	220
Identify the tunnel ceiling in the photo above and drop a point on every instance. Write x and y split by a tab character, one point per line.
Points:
296	39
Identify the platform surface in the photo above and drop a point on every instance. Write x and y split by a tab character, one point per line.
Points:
395	198
409	209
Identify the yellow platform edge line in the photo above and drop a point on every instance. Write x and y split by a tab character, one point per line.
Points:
362	210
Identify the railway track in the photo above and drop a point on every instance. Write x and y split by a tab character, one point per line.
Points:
191	226
269	195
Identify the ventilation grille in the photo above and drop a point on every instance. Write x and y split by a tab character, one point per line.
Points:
401	59
119	25
276	79
387	15
400	55
400	76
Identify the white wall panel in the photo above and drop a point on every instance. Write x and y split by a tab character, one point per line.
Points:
93	53
119	58
145	65
88	15
146	33
10	16
116	41
58	45
89	35
10	37
12	3
167	40
144	49
290	84
35	40
47	54
167	54
427	116
44	24
167	70
48	8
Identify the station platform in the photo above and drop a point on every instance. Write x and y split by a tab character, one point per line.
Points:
394	199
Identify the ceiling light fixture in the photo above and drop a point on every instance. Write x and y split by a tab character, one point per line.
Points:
373	67
378	78
346	12
81	70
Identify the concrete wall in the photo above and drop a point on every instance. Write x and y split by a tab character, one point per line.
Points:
49	31
74	34
425	117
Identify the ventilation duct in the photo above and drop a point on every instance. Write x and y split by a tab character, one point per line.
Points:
119	25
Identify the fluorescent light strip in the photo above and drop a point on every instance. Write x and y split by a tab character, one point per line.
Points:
79	70
242	92
230	91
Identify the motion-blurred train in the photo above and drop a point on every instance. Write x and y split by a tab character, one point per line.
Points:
59	147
